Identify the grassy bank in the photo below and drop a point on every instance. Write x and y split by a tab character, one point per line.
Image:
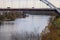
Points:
54	30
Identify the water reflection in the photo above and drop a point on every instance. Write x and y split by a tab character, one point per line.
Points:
33	23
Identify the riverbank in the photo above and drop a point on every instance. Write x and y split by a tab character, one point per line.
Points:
11	16
54	30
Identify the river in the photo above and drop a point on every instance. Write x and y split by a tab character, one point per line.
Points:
33	23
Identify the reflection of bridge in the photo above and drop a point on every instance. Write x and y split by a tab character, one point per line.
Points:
32	10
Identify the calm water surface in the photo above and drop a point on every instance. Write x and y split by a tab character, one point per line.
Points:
33	23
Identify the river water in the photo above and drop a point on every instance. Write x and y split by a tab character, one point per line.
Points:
32	23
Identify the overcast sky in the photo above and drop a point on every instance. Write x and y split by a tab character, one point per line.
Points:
26	3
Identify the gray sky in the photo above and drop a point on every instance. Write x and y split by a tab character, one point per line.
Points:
26	3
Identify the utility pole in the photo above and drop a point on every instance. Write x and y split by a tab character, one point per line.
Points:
51	6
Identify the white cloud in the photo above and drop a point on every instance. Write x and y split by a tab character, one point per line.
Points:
55	2
26	3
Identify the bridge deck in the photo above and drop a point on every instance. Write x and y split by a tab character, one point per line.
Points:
26	9
33	11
